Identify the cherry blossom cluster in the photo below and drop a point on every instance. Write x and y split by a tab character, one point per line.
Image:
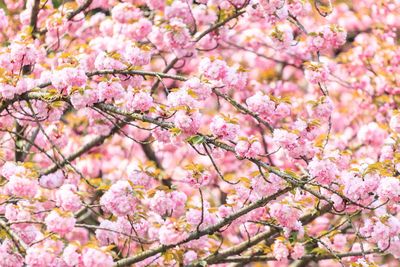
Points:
199	133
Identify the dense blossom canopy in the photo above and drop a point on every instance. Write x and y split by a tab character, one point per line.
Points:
199	132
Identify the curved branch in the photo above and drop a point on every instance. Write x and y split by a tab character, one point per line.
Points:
81	8
312	257
207	231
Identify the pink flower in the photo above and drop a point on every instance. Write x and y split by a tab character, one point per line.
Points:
316	72
317	42
198	179
136	56
11	168
194	217
234	79
282	37
280	250
261	104
339	241
3	21
84	99
169	234
188	123
110	90
7	91
395	122
285	139
246	149
68	77
178	38
22	187
71	256
38	257
142	101
282	111
372	134
23	54
156	4
263	188
334	35
8	257
202	90
78	234
92	257
126	13
138	30
52	180
104	62
394	248
119	199
223	129
67	199
23	85
139	177
215	70
59	224
389	189
181	98
106	233
298	251
286	216
181	10
168	204
189	257
324	171
324	110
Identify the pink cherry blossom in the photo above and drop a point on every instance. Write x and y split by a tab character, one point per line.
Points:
395	122
71	256
111	90
53	180
22	187
188	123
10	258
142	101
316	72
170	234
221	128
119	199
389	189
324	171
170	204
149	132
280	251
298	251
96	258
286	216
67	199
59	224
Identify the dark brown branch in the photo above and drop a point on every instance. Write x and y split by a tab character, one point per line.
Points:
20	244
85	148
207	231
149	152
34	16
310	257
19	153
81	8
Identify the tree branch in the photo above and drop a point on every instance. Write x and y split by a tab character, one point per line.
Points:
34	16
81	8
207	231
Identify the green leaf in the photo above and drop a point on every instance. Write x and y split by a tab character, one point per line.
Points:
196	139
319	251
56	3
202	263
